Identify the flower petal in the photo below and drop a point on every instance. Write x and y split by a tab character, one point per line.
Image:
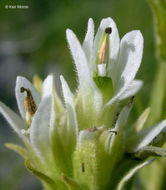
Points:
132	89
23	82
131	48
40	126
14	120
84	75
48	85
71	114
145	137
88	41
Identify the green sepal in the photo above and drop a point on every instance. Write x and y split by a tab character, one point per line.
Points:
147	151
125	171
91	161
105	86
71	183
139	124
50	183
62	151
117	148
19	149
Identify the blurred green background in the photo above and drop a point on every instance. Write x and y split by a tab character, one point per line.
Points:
32	41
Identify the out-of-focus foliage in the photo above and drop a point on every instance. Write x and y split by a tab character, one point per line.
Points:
154	177
32	41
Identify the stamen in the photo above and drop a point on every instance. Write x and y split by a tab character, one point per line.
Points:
108	30
29	103
103	52
104	48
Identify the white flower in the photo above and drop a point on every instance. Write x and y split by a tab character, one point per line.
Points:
83	144
124	59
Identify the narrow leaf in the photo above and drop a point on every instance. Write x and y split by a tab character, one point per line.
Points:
129	174
138	141
42	176
71	183
19	149
14	120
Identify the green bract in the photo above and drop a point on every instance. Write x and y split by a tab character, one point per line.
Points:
83	143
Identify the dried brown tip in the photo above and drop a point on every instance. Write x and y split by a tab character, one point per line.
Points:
29	103
113	131
131	100
108	30
93	129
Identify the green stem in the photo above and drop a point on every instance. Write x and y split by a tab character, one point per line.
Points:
157	94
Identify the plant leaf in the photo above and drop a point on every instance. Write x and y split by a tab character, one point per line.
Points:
147	151
42	176
143	138
130	173
19	149
14	120
71	183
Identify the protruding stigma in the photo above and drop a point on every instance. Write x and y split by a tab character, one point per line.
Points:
29	103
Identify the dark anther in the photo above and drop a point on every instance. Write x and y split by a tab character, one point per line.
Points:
29	103
22	89
108	30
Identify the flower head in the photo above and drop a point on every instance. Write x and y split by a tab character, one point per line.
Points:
83	143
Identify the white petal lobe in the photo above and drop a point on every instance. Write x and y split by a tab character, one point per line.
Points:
88	41
13	119
131	49
39	131
84	75
47	88
132	89
69	101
